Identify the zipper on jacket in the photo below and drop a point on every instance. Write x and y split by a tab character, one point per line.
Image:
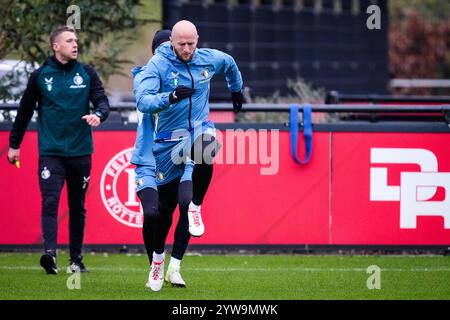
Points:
190	98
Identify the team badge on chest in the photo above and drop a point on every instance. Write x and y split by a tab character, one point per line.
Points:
175	77
49	83
78	80
205	73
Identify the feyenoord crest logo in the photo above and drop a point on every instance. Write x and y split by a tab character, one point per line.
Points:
78	80
159	176
206	75
45	174
118	190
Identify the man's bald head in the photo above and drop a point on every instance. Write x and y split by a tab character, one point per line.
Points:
184	28
184	39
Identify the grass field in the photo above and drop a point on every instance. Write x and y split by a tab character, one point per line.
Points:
234	277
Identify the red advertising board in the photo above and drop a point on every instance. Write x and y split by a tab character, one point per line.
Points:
242	206
358	188
367	209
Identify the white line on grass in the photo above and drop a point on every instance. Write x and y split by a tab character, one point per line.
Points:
292	269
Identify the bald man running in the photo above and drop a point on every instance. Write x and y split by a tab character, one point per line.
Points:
175	87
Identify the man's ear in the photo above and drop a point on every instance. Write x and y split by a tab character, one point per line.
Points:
55	46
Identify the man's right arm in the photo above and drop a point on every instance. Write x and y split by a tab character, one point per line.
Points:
25	111
147	91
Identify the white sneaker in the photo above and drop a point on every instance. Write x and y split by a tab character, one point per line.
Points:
196	226
173	277
156	276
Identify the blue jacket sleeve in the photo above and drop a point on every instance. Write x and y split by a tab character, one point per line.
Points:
147	87
226	66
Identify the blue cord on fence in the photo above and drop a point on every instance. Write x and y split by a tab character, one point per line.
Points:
307	131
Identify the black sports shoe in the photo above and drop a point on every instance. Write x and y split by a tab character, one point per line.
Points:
48	262
77	265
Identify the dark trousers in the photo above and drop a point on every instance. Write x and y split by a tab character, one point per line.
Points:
53	172
152	219
171	194
158	210
203	168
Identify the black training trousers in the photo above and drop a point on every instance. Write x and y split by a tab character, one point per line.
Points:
202	153
53	172
152	219
171	194
158	210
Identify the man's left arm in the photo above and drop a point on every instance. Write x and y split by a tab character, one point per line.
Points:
98	98
228	67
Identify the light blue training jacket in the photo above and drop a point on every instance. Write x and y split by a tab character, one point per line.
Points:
164	72
142	153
